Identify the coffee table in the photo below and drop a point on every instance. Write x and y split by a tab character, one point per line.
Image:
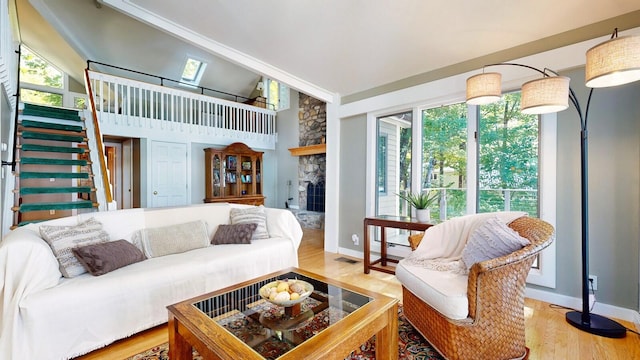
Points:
236	323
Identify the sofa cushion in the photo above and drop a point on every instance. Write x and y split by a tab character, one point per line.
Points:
251	215
62	239
234	234
173	239
445	291
102	258
491	240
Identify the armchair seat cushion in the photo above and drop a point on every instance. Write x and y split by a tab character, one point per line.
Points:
445	291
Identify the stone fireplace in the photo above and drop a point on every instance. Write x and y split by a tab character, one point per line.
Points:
312	117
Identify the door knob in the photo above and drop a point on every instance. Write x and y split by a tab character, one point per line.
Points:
155	193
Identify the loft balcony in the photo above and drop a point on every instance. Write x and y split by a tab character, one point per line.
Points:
129	108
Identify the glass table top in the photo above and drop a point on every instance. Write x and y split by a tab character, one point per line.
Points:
273	330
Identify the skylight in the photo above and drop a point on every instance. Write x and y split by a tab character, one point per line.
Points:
193	70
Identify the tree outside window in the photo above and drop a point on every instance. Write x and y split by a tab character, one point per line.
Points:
35	70
507	163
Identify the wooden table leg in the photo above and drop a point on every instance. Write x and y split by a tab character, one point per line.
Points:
179	348
367	248
387	338
383	246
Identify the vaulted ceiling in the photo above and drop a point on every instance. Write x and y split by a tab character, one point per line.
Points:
345	47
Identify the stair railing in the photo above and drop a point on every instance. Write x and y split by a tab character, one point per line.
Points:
98	136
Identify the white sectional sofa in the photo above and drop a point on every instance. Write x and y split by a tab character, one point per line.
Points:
47	316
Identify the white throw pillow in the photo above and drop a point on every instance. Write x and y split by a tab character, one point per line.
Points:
252	215
62	240
173	239
491	240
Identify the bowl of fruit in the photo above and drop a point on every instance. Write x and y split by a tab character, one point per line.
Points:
286	292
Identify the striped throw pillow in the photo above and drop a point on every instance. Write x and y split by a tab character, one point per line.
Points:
63	239
254	215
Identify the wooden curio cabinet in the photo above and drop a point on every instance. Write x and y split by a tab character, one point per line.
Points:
233	174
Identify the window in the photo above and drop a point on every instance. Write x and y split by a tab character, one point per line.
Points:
394	163
193	70
382	163
79	103
277	95
444	158
508	157
482	158
37	71
40	97
506	164
40	81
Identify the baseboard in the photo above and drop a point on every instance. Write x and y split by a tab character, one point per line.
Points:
636	320
607	310
399	251
350	252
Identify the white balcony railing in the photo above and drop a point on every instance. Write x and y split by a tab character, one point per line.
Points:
126	107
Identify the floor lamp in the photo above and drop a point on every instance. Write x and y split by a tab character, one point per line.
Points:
611	63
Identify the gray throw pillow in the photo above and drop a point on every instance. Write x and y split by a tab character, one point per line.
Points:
234	234
62	239
102	258
253	215
491	240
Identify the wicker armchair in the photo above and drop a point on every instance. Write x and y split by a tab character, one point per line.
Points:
494	328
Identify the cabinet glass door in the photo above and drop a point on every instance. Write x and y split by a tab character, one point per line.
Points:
258	182
216	175
231	175
246	176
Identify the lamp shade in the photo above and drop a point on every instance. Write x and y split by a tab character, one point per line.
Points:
545	95
614	62
484	88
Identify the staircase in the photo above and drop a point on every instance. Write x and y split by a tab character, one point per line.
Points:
54	176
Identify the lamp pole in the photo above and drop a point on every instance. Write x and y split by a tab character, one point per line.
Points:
585	320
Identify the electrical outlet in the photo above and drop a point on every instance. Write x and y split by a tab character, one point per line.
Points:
594	282
52	212
355	239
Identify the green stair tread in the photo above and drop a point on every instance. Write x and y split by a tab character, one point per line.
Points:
53	137
48	148
53	126
46	161
56	175
68	205
51	112
54	190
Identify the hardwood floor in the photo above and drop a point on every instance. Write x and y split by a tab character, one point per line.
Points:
548	334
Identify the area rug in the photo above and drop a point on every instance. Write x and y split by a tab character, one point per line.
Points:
411	346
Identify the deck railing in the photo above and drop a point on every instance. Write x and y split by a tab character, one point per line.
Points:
124	106
453	202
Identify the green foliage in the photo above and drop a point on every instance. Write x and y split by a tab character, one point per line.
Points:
40	97
421	200
508	155
35	70
405	158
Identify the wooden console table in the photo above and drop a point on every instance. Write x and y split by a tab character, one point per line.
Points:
386	221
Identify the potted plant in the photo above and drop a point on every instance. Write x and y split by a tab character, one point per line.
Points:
421	201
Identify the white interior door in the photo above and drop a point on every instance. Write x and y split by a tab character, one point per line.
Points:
169	174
